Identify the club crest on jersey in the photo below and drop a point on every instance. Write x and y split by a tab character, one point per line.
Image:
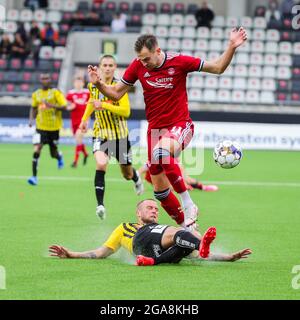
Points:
146	75
171	71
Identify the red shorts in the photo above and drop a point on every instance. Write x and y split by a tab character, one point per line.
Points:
148	177
182	132
75	126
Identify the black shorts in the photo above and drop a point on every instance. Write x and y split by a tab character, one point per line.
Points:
45	137
147	240
119	149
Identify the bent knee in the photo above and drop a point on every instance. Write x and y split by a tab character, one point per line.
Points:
127	172
127	176
37	148
101	166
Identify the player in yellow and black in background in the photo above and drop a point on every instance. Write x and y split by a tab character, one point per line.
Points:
46	109
110	136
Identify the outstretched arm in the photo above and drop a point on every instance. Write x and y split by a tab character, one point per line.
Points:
115	92
242	254
64	253
218	66
123	109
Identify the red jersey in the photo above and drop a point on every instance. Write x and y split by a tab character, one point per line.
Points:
164	88
80	99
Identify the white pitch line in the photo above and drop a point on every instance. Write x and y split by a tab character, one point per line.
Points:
255	183
62	178
226	183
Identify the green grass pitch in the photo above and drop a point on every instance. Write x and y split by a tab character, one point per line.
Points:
257	206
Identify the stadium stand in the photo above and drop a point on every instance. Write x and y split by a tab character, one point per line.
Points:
21	76
259	69
265	70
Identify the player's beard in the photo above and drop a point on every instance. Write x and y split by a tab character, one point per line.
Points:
46	86
151	67
151	220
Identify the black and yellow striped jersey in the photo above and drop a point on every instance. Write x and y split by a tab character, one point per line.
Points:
122	236
48	119
109	125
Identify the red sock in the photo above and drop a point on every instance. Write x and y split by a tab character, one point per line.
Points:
172	207
174	174
83	150
77	152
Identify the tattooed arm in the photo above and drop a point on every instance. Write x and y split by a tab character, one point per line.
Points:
223	257
64	253
242	254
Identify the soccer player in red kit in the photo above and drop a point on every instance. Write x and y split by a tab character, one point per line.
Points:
78	98
163	78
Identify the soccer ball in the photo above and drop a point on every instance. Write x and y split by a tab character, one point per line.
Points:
227	154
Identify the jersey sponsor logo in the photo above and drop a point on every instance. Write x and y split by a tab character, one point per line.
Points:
157	250
162	80
40	95
146	75
171	71
82	100
158	228
160	83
